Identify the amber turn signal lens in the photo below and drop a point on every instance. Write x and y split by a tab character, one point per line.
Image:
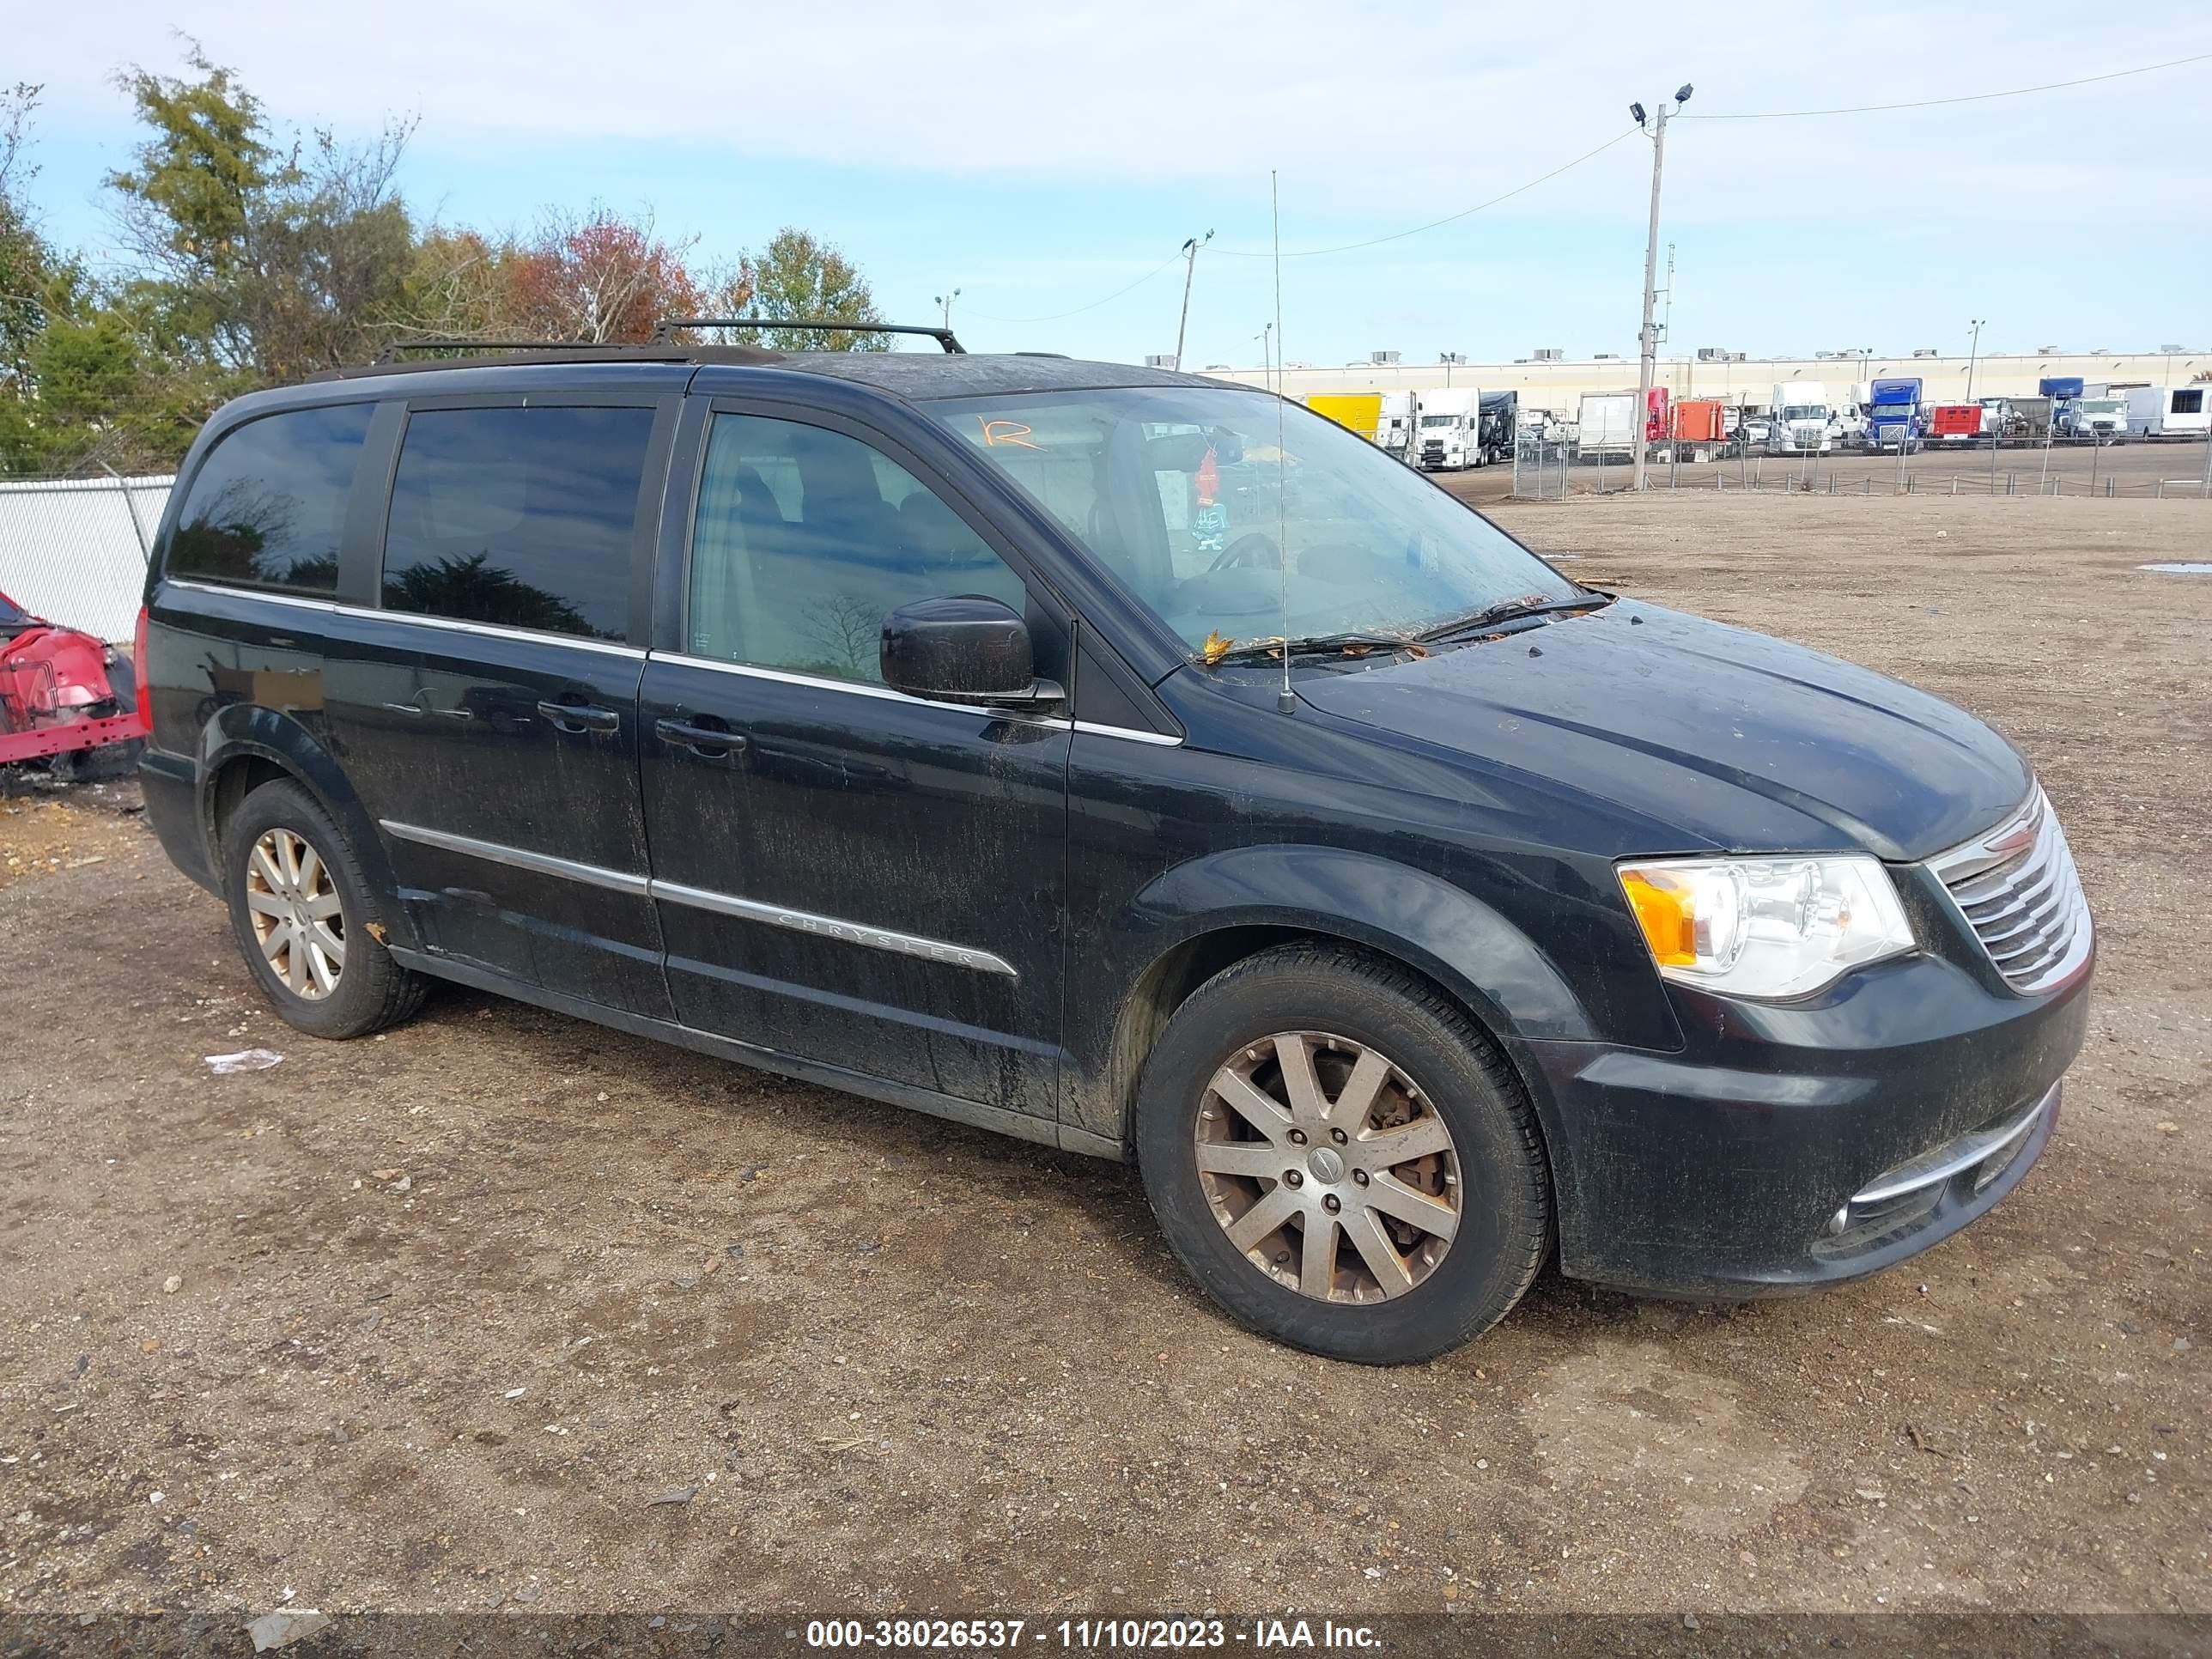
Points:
1661	904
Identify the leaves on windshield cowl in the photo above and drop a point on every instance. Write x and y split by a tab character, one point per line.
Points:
1217	647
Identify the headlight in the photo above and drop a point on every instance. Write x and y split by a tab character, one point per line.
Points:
1765	928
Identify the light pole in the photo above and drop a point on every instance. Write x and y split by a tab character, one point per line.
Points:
1648	344
1973	351
945	301
1190	269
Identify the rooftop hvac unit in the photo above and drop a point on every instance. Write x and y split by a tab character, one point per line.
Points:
1712	353
2051	351
1452	356
1549	355
1739	356
1606	357
1925	351
1379	358
2175	349
1822	356
1160	359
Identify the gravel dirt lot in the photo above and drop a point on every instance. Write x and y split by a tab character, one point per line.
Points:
504	1310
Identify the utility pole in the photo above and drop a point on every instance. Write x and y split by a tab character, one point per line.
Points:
1973	351
1648	343
945	301
1267	370
1190	269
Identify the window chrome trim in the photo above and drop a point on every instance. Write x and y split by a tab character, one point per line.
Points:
542	864
491	630
1128	734
851	932
372	613
864	689
297	601
701	898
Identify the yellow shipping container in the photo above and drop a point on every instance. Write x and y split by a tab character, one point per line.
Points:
1361	411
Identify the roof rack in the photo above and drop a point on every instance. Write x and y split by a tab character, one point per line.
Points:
484	353
943	336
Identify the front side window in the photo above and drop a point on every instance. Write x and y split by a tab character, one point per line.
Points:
520	517
805	540
268	506
1191	499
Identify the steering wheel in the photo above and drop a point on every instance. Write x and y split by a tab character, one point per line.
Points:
1252	548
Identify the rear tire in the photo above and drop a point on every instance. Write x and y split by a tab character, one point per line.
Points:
1397	1278
306	919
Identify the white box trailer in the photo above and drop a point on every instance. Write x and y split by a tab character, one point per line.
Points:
2177	411
1605	425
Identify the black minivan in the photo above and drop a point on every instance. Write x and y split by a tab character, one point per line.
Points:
1128	762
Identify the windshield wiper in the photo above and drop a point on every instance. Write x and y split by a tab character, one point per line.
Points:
1312	645
1528	604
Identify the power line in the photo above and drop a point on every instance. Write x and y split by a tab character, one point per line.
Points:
1450	218
1094	305
1931	103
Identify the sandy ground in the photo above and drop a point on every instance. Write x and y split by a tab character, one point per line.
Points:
501	1308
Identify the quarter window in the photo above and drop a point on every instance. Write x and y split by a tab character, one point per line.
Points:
268	506
805	540
522	517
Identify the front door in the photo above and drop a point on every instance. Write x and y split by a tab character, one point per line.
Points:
487	708
844	873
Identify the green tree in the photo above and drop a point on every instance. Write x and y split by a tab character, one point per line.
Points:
797	276
276	260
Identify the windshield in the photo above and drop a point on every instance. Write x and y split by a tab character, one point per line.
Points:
12	615
1182	494
2099	405
1806	412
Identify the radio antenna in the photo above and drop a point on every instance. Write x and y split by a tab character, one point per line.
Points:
1284	702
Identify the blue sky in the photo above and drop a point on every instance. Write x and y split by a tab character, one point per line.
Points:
1040	160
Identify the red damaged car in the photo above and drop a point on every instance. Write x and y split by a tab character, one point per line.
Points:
63	696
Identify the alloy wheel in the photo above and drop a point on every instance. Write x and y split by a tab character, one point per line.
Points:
1327	1167
297	919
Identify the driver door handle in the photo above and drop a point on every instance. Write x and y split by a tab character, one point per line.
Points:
711	742
580	717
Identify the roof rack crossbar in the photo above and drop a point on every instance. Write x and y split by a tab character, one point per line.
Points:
944	337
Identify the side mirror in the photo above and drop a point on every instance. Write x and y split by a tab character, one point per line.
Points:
965	648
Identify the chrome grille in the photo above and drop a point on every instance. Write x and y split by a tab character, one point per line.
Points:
2019	892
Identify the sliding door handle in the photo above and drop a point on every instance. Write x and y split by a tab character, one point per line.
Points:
710	742
579	717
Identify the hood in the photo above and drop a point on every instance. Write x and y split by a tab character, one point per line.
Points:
1726	738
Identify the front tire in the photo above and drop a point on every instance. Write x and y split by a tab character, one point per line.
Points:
306	920
1341	1159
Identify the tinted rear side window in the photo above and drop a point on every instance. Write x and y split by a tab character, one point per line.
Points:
522	517
269	504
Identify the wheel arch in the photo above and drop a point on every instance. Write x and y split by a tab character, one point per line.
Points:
248	745
1440	933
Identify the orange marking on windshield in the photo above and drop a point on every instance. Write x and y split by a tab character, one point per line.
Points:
1006	432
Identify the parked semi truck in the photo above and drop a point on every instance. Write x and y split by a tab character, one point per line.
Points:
1501	425
1800	423
1449	435
1394	422
1360	412
2175	412
1893	420
2095	420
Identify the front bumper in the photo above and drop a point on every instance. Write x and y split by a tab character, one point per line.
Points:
1794	1145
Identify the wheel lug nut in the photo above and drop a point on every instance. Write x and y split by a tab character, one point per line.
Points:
1359	1177
1332	1204
1298	1137
1337	1135
1292	1178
